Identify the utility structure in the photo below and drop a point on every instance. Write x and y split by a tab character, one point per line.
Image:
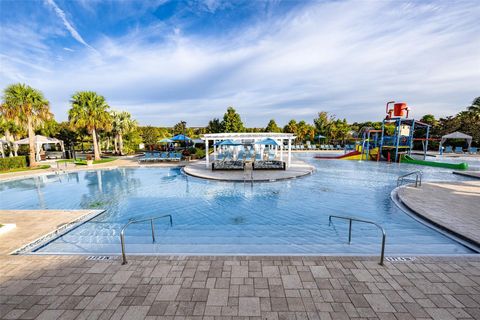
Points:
401	141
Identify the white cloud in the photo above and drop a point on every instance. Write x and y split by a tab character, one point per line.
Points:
348	58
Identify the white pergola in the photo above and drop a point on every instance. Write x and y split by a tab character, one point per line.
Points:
39	141
250	138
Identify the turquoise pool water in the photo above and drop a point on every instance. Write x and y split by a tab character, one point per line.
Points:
284	217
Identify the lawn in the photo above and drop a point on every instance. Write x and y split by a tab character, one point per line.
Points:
82	162
46	166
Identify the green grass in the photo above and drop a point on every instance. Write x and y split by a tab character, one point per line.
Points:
46	166
82	162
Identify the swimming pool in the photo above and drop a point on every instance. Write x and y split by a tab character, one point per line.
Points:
210	217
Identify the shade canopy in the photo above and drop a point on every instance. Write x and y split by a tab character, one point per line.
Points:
268	142
166	140
3	141
38	139
319	136
457	135
229	142
180	137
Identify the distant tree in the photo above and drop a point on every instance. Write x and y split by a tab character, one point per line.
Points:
290	127
321	123
49	128
179	128
150	135
429	119
122	124
28	108
91	111
214	126
232	121
67	135
474	109
272	127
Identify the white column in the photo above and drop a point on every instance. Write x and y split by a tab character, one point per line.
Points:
214	149
207	155
281	150
289	152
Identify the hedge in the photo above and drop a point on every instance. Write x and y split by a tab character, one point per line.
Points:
13	162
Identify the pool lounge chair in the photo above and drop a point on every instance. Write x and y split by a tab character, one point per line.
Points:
458	150
339	147
473	150
448	149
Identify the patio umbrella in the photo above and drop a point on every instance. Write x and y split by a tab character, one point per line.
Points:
229	142
268	142
166	140
180	137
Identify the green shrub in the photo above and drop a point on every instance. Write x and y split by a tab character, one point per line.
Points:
13	163
200	153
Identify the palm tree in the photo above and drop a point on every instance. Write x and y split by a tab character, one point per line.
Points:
475	108
28	108
122	124
90	111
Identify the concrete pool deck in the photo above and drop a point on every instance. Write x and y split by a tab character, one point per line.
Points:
296	170
34	224
454	206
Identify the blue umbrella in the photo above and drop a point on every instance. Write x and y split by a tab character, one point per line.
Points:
180	137
229	142
268	142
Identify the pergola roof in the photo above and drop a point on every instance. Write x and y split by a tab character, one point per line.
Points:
39	140
245	135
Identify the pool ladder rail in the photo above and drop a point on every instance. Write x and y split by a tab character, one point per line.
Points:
418	178
350	219
122	233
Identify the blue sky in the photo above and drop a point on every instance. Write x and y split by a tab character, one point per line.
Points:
166	61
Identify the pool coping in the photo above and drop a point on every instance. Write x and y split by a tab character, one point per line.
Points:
455	236
45	239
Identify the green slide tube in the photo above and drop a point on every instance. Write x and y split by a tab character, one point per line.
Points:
457	166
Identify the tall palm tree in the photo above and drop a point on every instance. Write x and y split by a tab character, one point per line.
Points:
90	111
28	108
122	124
475	108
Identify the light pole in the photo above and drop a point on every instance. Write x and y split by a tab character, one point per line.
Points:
184	124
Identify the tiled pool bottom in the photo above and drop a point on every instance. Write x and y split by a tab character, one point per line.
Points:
278	218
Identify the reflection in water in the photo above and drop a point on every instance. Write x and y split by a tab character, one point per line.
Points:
281	217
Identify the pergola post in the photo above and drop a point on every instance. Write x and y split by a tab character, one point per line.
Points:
206	154
289	152
281	150
214	149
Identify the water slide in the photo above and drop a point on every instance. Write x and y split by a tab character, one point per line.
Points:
457	166
354	155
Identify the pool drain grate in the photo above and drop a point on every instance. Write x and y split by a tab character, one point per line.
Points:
400	259
100	258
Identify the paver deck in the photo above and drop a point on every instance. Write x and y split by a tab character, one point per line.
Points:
297	169
32	224
62	287
453	205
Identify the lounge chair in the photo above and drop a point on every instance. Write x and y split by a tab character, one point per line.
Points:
458	150
448	149
339	147
473	150
258	157
248	156
314	147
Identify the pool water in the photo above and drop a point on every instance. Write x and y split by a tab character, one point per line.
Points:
210	217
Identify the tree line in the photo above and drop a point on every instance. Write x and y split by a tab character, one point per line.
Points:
24	111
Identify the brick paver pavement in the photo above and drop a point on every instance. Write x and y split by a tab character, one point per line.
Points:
66	287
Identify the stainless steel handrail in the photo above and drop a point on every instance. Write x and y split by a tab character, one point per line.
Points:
122	233
418	178
384	234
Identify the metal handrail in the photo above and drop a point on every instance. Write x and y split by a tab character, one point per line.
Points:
122	233
384	234
418	178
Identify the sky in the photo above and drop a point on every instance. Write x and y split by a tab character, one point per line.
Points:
166	61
